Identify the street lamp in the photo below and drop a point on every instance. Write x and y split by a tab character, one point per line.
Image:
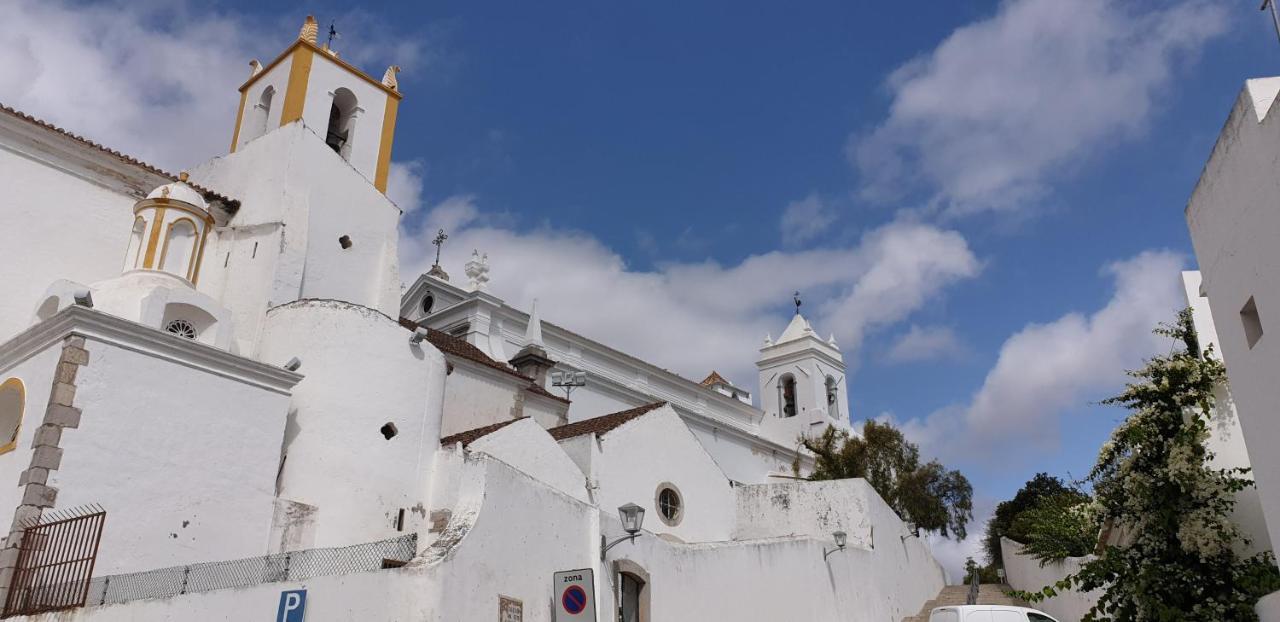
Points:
841	537
912	530
632	517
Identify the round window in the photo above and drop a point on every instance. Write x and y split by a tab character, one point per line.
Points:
181	328
670	504
428	301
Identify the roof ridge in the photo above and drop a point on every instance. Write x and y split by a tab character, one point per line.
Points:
470	436
602	424
123	157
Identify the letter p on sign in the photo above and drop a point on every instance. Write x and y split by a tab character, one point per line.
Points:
293	606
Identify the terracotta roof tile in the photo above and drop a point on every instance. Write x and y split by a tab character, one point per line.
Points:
460	348
603	424
231	204
714	378
471	436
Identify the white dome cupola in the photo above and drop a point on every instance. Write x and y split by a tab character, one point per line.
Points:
170	228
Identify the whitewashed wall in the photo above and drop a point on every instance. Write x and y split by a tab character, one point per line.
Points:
656	448
54	225
476	396
1233	223
360	372
183	460
1025	573
526	446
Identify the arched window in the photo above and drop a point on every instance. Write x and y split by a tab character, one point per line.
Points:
341	122
175	258
787	395
134	253
261	113
13	398
833	404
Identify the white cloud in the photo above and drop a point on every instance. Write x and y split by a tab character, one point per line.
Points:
703	315
805	220
925	344
157	81
404	185
1046	369
1003	105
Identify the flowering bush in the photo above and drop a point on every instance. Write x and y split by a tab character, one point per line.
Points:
1153	480
1059	526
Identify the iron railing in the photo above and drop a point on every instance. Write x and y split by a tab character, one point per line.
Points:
291	566
55	562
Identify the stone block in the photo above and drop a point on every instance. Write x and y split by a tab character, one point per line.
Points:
47	458
439	521
40	495
34	476
79	356
66	373
63	394
22	517
75	341
64	416
47	435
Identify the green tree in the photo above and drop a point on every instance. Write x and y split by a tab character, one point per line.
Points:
1039	487
928	495
1058	526
1153	478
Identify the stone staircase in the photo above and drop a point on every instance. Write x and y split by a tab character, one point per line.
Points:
988	594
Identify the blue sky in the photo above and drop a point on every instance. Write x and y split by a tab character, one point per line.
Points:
982	200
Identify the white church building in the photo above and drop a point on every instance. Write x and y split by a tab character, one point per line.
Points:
217	403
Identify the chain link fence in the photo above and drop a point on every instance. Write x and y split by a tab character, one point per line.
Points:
291	566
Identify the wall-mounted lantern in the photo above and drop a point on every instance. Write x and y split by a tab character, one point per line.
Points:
632	517
841	538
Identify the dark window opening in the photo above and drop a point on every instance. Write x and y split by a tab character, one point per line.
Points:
341	114
1252	322
428	302
787	387
400	520
345	241
389	430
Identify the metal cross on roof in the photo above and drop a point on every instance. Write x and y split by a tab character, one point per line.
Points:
796	298
439	242
333	34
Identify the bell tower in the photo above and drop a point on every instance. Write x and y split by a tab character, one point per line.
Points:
354	113
802	377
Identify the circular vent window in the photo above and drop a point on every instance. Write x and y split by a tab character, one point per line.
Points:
428	302
181	328
670	504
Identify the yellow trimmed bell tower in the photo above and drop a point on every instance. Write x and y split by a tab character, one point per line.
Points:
354	114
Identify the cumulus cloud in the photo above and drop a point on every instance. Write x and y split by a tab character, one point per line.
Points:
805	220
157	80
925	344
1003	105
404	185
1044	370
707	314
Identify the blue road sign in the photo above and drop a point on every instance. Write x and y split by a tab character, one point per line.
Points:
574	599
293	606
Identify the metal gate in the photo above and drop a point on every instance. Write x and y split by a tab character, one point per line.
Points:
55	562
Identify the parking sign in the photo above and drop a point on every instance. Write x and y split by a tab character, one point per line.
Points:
293	606
574	592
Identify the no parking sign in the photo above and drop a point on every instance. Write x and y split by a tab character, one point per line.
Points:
575	595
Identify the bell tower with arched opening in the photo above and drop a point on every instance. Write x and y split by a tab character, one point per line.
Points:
352	112
802	377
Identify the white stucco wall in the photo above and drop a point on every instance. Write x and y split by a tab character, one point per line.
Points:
476	396
78	232
183	460
365	137
1025	573
526	447
1233	222
635	458
360	372
1226	439
277	78
290	181
815	509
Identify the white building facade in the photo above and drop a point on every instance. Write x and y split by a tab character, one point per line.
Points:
223	361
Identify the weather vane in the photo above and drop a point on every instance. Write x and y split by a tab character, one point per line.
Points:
1275	17
796	298
333	34
439	242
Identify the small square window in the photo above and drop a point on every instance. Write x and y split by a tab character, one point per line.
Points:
1252	322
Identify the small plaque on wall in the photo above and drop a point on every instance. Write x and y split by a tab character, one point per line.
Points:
510	609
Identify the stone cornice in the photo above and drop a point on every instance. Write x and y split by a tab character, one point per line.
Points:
122	333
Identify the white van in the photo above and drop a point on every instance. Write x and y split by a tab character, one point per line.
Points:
987	613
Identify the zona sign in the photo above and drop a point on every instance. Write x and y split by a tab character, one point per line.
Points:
574	599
